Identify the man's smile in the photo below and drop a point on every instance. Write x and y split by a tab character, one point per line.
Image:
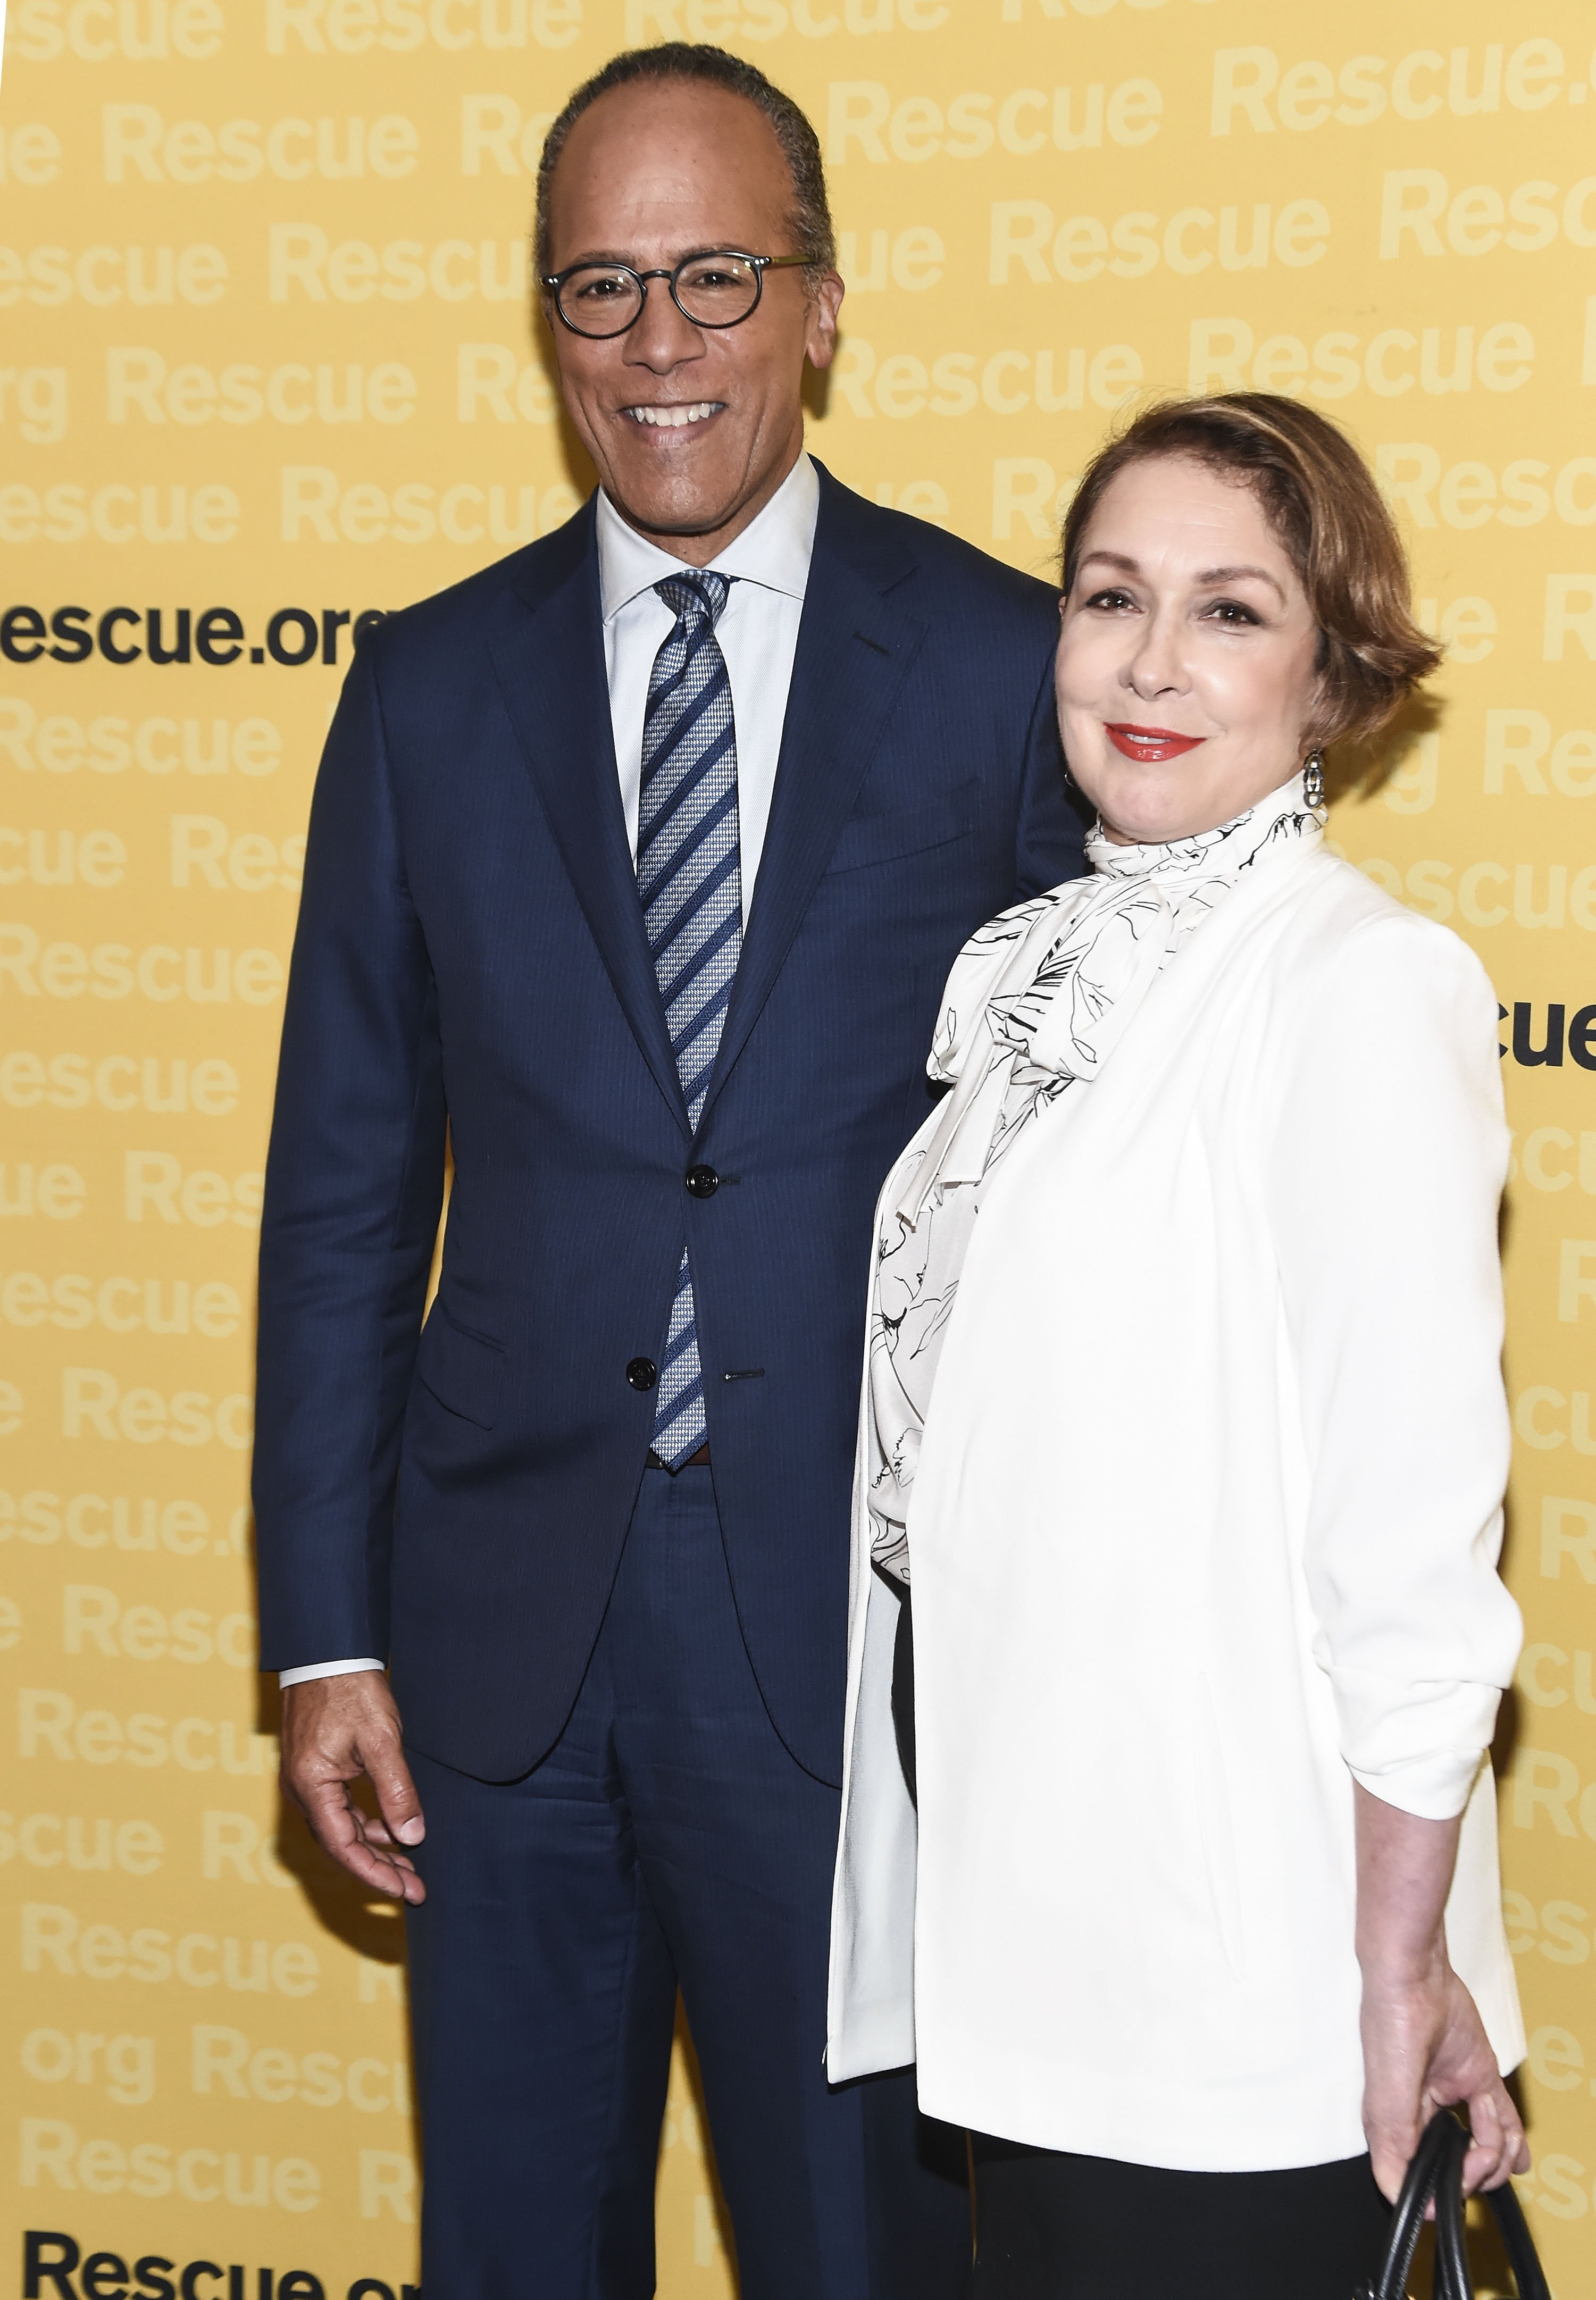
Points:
675	418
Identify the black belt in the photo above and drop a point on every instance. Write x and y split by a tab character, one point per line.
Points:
698	1461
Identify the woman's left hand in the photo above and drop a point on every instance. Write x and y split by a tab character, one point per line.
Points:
1424	2044
1425	2047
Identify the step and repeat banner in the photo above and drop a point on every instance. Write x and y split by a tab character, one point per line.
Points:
268	367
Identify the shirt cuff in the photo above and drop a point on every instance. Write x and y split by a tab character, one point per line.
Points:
286	1676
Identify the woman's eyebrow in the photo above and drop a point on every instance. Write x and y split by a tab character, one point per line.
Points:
1211	575
1205	580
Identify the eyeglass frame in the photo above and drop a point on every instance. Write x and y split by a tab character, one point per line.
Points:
553	281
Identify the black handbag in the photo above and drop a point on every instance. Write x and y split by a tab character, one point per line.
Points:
1436	2176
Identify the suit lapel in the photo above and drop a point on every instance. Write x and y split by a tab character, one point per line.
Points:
854	652
550	666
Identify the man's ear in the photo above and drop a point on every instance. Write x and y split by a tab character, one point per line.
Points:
820	341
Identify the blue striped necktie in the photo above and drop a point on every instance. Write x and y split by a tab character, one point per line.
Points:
689	877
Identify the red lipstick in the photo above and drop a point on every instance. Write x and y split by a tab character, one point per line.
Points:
1150	744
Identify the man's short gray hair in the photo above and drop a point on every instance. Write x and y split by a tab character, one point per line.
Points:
810	217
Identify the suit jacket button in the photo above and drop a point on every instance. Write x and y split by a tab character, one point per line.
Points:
703	1181
642	1373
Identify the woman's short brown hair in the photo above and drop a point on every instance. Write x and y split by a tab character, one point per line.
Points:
1321	499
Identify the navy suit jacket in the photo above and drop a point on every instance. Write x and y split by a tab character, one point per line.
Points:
470	961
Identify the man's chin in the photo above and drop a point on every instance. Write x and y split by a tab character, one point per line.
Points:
682	507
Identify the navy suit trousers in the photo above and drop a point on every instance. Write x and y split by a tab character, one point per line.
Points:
668	1839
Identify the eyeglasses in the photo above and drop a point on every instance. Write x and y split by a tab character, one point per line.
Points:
718	288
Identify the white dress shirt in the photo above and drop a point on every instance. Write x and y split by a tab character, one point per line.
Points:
757	630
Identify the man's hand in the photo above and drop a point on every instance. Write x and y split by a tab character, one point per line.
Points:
334	1729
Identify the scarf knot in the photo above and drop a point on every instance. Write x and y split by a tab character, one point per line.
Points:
1040	997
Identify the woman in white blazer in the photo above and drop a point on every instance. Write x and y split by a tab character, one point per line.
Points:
1198	1910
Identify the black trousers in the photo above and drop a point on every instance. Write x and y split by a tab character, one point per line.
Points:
1051	2226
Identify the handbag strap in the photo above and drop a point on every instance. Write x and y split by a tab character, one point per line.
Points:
1435	2175
1408	2219
1452	2279
1518	2243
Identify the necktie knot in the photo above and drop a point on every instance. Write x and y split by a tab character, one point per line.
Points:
696	598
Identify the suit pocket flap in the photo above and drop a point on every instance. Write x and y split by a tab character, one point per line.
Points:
904	831
462	1371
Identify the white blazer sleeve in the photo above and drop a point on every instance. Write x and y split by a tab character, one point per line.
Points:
1385	1176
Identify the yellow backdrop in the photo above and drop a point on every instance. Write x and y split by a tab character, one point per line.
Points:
268	365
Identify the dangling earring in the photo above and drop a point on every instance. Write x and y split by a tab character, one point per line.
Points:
1313	781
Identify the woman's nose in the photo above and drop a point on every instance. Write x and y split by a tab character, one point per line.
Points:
1154	666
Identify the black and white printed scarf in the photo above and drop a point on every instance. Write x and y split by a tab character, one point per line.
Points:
1036	1002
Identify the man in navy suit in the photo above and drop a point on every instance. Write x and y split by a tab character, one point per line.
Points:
635	868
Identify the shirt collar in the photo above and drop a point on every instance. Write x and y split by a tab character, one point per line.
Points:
774	550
